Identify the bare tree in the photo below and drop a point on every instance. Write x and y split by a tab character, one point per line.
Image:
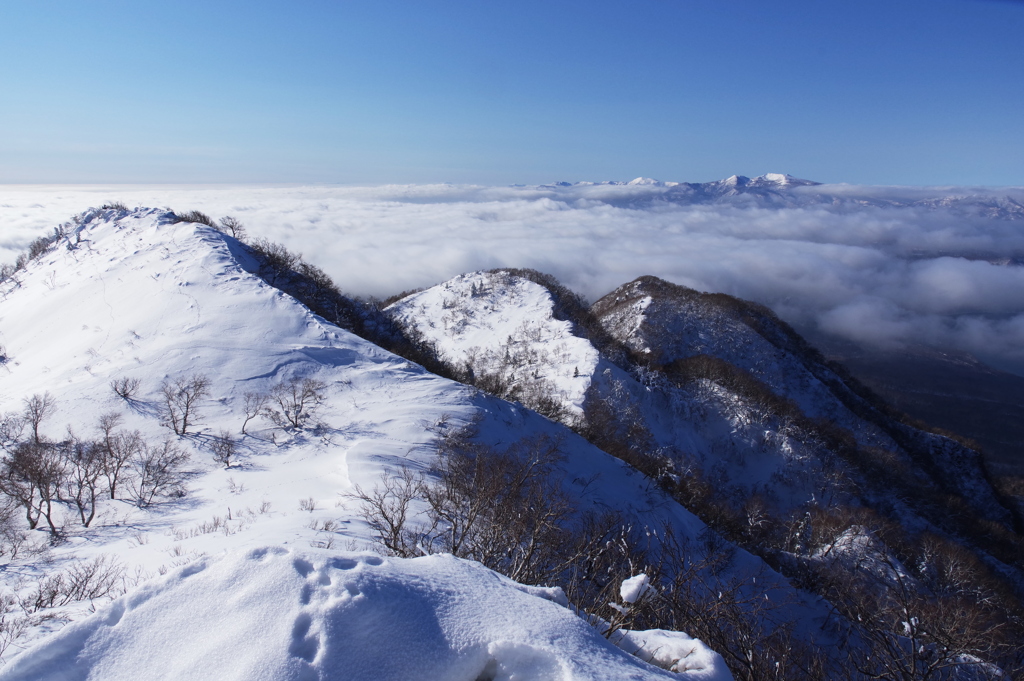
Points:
386	510
232	225
33	476
254	405
84	469
119	449
223	447
11	427
125	387
37	408
157	472
295	401
181	400
503	508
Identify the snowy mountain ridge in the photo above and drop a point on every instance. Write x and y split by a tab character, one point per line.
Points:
780	190
661	402
734	414
138	295
500	324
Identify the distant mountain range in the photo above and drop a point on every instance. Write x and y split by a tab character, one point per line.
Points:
779	190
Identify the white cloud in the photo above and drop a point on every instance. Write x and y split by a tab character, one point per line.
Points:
874	275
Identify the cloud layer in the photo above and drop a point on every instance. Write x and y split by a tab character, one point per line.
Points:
878	276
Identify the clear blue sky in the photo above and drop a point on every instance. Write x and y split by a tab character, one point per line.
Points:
893	92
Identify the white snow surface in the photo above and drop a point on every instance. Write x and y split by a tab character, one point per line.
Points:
676	652
633	588
277	615
485	318
130	294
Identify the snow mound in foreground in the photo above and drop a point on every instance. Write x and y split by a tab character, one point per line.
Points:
274	614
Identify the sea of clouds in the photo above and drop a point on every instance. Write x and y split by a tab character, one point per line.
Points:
880	276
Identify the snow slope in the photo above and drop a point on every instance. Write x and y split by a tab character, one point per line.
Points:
501	323
504	325
131	294
275	615
666	322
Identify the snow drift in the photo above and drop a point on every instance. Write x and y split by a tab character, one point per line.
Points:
274	614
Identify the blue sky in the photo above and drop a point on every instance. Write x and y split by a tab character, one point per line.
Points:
904	92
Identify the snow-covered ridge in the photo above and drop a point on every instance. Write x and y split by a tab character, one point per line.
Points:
503	325
666	322
133	294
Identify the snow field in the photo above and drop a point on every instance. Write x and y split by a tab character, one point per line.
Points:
277	615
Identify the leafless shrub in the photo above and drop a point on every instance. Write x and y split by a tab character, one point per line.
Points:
125	387
741	616
539	395
223	447
101	577
276	261
115	205
180	401
908	631
12	623
505	509
12	537
157	473
194	216
316	283
232	226
295	401
255	402
398	296
39	247
308	504
386	510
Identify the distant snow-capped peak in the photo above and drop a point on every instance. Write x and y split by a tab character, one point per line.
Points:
768	180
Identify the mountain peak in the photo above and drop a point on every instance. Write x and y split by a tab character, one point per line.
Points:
781	180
